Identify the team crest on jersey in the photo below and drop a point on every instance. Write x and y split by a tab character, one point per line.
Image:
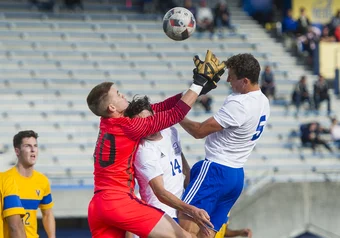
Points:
37	192
177	148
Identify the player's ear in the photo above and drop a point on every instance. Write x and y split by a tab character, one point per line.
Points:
17	151
111	109
246	81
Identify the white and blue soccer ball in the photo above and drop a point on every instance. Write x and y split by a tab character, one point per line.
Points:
179	23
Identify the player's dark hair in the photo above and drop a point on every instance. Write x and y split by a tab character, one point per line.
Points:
245	66
96	97
17	139
137	105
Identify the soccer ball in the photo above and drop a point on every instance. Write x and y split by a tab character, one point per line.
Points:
179	23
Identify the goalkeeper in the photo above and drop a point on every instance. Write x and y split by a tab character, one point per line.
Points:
114	207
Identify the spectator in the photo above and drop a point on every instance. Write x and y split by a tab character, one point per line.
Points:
188	5
310	134
44	5
308	41
326	35
301	94
335	22
303	22
74	4
321	94
205	18
267	82
337	33
148	6
289	24
222	15
165	5
335	132
264	12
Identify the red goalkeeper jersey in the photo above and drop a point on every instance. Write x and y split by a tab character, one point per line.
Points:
119	137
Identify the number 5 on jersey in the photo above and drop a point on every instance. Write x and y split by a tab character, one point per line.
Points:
259	128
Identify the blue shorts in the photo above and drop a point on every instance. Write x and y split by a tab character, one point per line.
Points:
214	188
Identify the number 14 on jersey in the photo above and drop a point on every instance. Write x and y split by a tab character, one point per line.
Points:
176	167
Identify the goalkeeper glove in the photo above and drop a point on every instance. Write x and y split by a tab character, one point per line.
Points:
210	85
208	68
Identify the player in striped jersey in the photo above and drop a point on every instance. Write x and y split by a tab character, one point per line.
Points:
34	187
11	210
114	207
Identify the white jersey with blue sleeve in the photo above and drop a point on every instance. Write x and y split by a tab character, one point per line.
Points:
243	118
162	157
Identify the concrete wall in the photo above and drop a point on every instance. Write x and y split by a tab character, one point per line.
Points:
286	210
71	202
280	210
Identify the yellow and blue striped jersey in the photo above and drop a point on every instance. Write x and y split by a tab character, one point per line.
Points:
34	192
223	230
9	202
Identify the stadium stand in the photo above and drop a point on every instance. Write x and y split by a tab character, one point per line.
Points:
50	61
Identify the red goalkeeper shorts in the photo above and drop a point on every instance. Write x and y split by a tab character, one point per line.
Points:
111	213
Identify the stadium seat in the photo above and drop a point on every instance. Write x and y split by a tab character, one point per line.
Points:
50	61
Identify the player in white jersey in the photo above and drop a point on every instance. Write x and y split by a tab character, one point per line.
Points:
161	168
231	134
